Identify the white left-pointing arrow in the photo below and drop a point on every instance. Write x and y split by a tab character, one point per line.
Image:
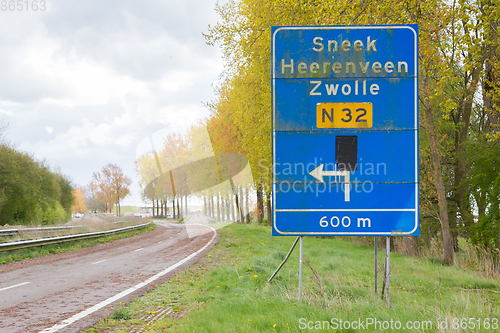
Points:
318	173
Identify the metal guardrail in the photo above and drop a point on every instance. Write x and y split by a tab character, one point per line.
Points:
13	232
62	239
9	232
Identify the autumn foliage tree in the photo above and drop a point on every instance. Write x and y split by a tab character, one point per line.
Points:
110	185
171	154
79	202
100	188
198	163
92	202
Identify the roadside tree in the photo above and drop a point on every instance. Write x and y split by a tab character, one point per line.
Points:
79	204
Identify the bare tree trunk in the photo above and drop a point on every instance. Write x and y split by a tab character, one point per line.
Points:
204	204
489	94
269	210
222	209
239	208
153	213
181	209
212	206
461	197
242	206
186	204
209	205
179	214
442	200
233	213
260	204
247	209
173	208
218	207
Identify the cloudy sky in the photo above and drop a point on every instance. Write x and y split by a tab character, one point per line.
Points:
83	83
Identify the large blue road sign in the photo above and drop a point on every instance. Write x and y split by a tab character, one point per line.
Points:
345	130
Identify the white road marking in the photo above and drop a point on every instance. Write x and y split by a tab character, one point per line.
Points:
110	300
139	249
99	261
16	285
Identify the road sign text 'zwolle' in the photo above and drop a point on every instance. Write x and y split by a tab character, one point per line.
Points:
345	130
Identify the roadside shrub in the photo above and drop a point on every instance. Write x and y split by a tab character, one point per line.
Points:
53	212
121	314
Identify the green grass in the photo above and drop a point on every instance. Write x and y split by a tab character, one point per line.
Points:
227	291
40	251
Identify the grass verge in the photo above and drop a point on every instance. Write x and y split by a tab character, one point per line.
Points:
45	250
227	291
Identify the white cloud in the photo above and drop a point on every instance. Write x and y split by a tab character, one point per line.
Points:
84	82
182	116
176	81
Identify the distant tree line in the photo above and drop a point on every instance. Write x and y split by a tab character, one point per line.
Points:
105	190
196	164
30	192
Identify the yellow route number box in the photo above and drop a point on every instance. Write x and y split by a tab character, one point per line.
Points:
344	115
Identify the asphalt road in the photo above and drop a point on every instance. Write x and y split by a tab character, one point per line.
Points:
70	291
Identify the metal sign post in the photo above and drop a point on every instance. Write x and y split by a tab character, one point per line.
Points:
376	248
387	271
300	268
